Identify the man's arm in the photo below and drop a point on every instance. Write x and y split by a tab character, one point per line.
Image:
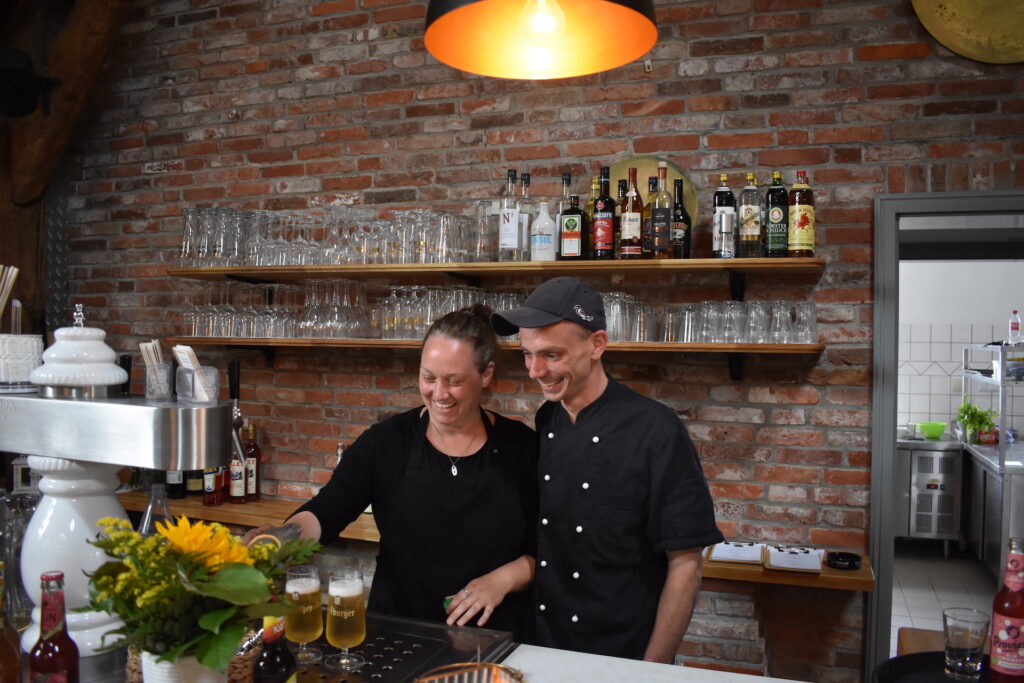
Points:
675	605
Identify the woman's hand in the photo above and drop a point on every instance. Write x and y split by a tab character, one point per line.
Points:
253	533
480	596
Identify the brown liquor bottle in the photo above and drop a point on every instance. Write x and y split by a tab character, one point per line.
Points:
630	243
647	227
602	222
573	235
54	656
801	217
682	225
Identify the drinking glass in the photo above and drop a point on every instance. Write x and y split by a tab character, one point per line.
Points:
734	322
346	618
965	630
710	322
780	326
757	322
305	623
805	323
189	236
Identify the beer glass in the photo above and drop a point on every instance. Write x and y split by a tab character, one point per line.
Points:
305	623
346	618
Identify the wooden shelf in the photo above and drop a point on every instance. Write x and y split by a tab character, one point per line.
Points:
308	343
264	511
492	269
862	579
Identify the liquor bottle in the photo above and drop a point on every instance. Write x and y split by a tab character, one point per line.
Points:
156	509
194	482
10	650
510	247
175	484
253	465
527	211
602	223
595	191
213	487
723	222
542	235
54	657
630	241
750	220
682	224
573	235
275	664
647	228
1013	337
236	476
661	217
777	220
1007	647
564	203
801	217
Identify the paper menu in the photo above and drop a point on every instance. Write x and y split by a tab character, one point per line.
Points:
793	558
736	551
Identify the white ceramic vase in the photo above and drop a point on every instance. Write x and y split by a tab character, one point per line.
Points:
184	670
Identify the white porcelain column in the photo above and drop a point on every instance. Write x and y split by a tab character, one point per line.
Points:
76	495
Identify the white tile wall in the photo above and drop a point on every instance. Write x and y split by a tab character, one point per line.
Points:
930	384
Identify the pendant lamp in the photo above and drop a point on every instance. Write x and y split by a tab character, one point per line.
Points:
539	39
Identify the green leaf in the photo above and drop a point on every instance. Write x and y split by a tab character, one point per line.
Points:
175	652
216	651
236	583
267	609
212	621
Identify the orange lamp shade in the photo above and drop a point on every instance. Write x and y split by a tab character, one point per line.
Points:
539	39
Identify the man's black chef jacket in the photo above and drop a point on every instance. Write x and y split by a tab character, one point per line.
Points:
618	488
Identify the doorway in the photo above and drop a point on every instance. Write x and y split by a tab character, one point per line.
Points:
963	224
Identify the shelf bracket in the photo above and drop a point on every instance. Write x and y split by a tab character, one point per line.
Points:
736	363
737	285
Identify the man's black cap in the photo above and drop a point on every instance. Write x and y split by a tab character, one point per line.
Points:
562	298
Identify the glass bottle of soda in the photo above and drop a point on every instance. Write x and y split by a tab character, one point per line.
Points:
54	657
723	222
602	223
776	227
275	664
682	224
10	650
253	465
1007	651
801	217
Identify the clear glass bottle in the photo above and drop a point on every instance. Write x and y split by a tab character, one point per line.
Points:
156	509
527	212
630	240
801	218
751	232
661	217
565	202
510	247
723	222
542	235
54	657
1007	647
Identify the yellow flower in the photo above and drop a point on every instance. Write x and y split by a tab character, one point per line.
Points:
212	544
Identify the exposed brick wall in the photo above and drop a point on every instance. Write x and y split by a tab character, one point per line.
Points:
285	105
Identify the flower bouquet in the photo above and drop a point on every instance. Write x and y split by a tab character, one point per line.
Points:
189	589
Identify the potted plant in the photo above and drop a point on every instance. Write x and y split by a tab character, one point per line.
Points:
188	592
974	420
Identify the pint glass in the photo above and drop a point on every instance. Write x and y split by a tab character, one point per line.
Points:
305	623
346	618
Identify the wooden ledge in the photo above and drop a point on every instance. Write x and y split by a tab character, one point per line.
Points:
265	511
862	579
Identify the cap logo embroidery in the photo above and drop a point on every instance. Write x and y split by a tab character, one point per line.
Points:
581	314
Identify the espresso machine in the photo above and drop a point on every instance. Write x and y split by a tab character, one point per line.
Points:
78	431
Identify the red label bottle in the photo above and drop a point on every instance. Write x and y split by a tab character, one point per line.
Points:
1007	651
54	657
253	465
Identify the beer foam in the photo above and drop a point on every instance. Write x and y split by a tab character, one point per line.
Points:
302	585
345	588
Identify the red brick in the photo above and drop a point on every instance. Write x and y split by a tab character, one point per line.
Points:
900	91
653	107
736	491
790	436
531	152
415	11
739	141
894	51
666	143
774	158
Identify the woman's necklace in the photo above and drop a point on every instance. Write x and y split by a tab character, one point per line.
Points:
469	449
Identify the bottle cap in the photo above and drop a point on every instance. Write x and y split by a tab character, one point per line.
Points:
52	576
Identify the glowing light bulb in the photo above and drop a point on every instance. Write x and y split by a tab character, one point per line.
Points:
542	21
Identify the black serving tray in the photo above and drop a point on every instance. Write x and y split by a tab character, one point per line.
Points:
918	667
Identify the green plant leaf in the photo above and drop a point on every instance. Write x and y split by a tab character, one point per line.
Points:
236	583
267	609
175	652
217	650
212	621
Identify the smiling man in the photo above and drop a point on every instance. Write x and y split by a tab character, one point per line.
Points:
624	506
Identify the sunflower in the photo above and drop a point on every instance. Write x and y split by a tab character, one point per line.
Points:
212	544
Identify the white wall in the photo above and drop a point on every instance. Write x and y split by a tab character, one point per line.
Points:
964	292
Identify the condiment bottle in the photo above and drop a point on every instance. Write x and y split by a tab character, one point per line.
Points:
1007	651
54	657
10	650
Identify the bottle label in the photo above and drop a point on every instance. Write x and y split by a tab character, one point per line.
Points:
571	236
1007	645
630	225
250	476
194	483
273	629
52	613
175	476
237	485
777	230
1014	326
1013	577
604	230
211	479
55	677
661	222
508	229
801	228
750	221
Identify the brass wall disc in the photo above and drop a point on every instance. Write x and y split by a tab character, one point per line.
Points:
990	31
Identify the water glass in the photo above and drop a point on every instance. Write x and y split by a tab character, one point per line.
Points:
734	322
779	329
710	330
305	623
805	323
965	630
758	316
346	618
